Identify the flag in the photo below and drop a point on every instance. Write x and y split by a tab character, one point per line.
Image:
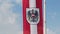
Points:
26	25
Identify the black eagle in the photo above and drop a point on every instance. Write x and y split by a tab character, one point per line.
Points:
34	13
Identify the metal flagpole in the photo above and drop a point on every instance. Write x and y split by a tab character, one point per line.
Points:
44	23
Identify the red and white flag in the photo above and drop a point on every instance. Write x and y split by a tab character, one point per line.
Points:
32	17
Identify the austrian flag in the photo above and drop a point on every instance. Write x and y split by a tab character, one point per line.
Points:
33	21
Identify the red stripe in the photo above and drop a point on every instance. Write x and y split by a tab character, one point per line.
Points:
40	25
26	26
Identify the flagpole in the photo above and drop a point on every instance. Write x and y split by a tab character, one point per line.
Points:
44	21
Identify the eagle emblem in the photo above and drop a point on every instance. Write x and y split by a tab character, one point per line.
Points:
32	15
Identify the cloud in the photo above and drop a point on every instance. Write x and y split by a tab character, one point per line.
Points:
8	19
20	32
6	14
18	1
49	31
10	29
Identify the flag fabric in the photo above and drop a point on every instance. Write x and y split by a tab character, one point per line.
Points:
26	25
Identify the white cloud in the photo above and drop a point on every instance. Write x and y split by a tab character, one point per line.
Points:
6	14
2	1
49	31
18	1
6	7
8	19
20	32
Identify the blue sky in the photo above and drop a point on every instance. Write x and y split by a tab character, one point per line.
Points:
53	15
11	16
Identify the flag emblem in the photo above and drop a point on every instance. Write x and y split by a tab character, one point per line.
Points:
32	15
